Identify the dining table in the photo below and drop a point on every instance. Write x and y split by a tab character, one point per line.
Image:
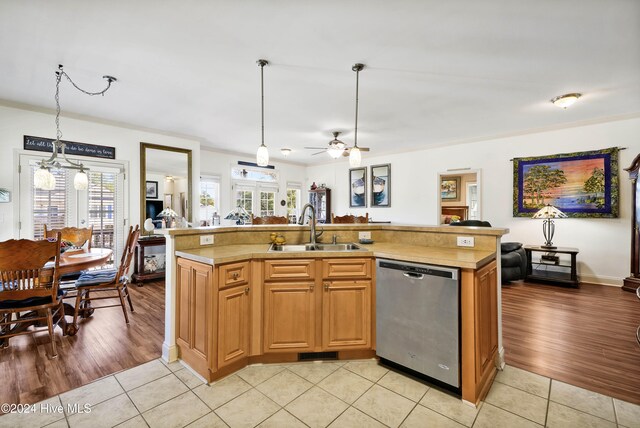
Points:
77	260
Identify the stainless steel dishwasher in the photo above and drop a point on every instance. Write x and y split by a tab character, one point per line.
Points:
417	318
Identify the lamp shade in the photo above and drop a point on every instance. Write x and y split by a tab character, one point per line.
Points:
262	157
355	157
549	211
81	181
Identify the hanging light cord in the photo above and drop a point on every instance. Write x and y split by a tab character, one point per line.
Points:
262	63
57	143
357	68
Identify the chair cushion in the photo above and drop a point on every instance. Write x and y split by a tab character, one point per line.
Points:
510	259
34	301
96	277
508	247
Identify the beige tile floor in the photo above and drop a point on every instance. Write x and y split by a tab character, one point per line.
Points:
319	394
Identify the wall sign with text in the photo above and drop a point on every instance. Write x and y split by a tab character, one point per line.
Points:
40	144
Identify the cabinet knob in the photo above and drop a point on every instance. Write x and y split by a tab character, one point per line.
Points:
326	286
235	275
246	290
311	287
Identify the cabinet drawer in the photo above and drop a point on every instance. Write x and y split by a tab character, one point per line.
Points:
289	269
346	268
233	274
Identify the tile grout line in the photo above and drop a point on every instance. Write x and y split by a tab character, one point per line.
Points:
132	402
523	390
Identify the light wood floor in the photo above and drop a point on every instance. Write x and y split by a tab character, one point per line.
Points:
585	336
104	345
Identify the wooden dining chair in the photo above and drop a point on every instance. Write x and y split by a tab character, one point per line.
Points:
350	218
76	235
106	282
29	281
273	219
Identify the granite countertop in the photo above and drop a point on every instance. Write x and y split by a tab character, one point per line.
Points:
454	257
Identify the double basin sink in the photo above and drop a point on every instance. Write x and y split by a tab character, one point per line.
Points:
314	247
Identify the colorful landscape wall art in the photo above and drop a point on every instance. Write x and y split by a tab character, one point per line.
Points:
583	184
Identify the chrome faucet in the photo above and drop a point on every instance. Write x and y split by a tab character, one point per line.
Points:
312	223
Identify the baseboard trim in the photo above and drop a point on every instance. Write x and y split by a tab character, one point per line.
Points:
169	353
601	280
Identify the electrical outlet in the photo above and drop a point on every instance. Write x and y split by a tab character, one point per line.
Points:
465	241
206	239
364	235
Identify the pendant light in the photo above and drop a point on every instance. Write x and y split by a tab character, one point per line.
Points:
43	178
262	157
355	157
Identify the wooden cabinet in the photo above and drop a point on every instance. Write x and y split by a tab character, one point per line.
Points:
305	312
194	313
233	274
320	198
289	316
346	314
486	321
479	309
149	261
233	324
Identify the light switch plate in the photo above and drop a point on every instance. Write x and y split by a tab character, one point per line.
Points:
364	235
466	241
206	239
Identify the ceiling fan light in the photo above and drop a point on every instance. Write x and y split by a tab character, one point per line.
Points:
262	157
355	157
566	100
81	181
335	152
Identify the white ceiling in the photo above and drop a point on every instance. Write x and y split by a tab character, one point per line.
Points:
438	72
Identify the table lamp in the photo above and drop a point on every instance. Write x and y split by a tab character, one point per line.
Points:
239	214
549	212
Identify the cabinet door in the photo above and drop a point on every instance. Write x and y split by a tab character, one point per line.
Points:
346	315
289	316
195	284
486	322
233	324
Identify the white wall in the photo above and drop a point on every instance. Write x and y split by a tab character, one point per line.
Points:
604	244
15	123
219	164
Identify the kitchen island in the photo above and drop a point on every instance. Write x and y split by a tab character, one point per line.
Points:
233	302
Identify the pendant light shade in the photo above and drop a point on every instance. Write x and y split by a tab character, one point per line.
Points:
355	157
262	156
43	179
81	181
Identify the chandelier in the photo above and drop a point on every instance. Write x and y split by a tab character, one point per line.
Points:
43	178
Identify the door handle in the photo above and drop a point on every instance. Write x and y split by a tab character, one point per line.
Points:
413	275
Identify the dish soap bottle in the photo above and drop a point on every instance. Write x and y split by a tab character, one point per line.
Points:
216	218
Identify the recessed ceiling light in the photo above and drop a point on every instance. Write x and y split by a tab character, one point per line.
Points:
566	100
285	151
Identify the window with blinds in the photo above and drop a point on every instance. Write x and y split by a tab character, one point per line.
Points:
50	207
102	194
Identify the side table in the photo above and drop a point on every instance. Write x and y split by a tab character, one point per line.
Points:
549	268
149	259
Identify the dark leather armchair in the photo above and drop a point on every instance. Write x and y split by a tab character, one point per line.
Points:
513	259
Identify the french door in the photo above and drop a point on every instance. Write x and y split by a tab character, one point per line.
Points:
100	206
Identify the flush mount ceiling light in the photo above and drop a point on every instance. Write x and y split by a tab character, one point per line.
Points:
286	152
43	179
262	157
566	100
355	157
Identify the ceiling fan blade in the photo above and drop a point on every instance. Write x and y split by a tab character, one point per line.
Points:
313	154
364	149
316	148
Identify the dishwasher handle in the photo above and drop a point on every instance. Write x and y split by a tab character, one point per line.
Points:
413	275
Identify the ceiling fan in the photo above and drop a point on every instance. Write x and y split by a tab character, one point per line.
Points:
336	148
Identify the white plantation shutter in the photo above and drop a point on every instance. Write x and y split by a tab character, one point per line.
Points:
120	222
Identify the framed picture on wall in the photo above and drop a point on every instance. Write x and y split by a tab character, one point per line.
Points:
381	185
358	187
168	200
450	188
152	190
